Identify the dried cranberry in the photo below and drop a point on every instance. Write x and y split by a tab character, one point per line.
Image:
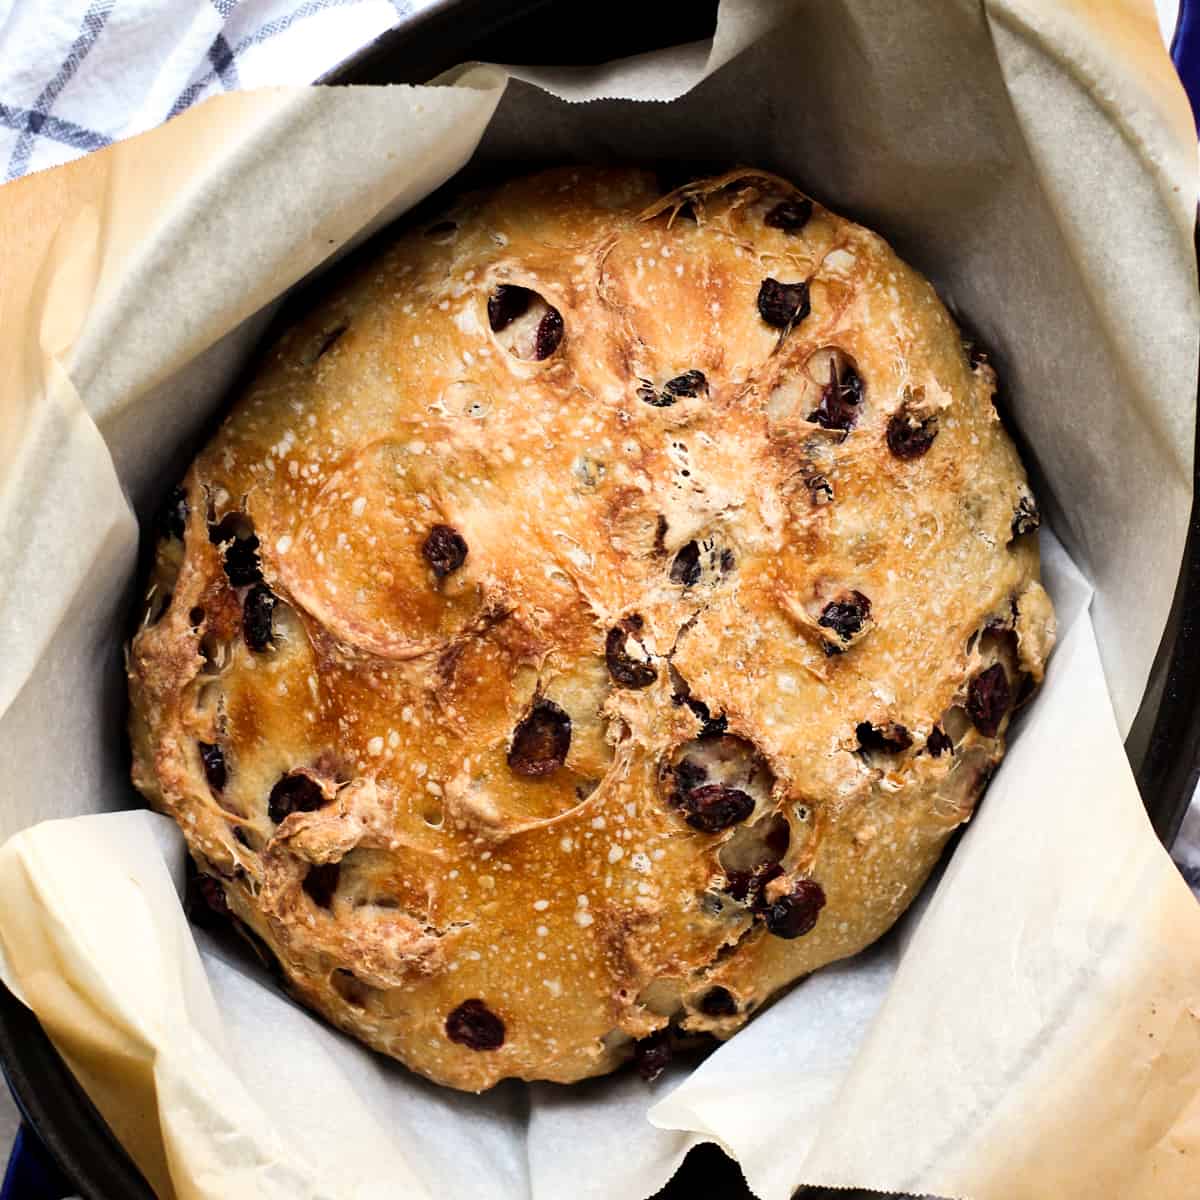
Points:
887	739
541	741
549	334
173	521
820	490
444	549
690	383
909	436
196	617
710	726
627	671
783	305
329	339
1026	518
239	544
689	775
718	1002
294	793
213	759
506	304
256	617
841	398
937	743
474	1025
748	886
845	616
795	914
321	882
988	699
686	567
204	900
790	215
653	1054
714	807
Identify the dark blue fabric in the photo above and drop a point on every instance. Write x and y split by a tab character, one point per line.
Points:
31	1174
1185	50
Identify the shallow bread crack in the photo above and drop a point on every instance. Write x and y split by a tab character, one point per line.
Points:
594	616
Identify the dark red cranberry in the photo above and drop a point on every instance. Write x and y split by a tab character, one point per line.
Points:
213	759
327	342
321	882
256	617
909	436
988	699
790	215
173	521
444	549
1026	518
626	670
204	900
886	739
548	336
506	304
710	726
541	741
795	914
474	1025
690	383
685	569
783	305
294	793
841	398
718	1002
689	775
239	553
714	807
937	743
845	616
196	617
652	1055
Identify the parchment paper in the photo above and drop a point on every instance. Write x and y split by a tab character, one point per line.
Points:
1032	1029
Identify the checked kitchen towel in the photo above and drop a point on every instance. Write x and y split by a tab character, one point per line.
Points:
76	75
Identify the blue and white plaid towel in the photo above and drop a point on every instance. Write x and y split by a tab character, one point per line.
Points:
76	75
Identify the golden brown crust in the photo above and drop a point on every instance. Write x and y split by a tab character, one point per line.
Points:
763	633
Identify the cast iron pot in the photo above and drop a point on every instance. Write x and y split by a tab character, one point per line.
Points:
1163	746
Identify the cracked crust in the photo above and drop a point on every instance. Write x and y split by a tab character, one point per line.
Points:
351	770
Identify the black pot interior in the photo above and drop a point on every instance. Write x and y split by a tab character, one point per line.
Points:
1164	745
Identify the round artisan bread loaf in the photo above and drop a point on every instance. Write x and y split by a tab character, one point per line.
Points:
595	615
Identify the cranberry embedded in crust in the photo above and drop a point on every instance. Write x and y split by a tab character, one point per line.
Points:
989	698
444	549
795	914
783	305
790	216
541	741
714	807
474	1025
294	793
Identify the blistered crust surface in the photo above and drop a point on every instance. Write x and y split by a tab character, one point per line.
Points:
698	676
